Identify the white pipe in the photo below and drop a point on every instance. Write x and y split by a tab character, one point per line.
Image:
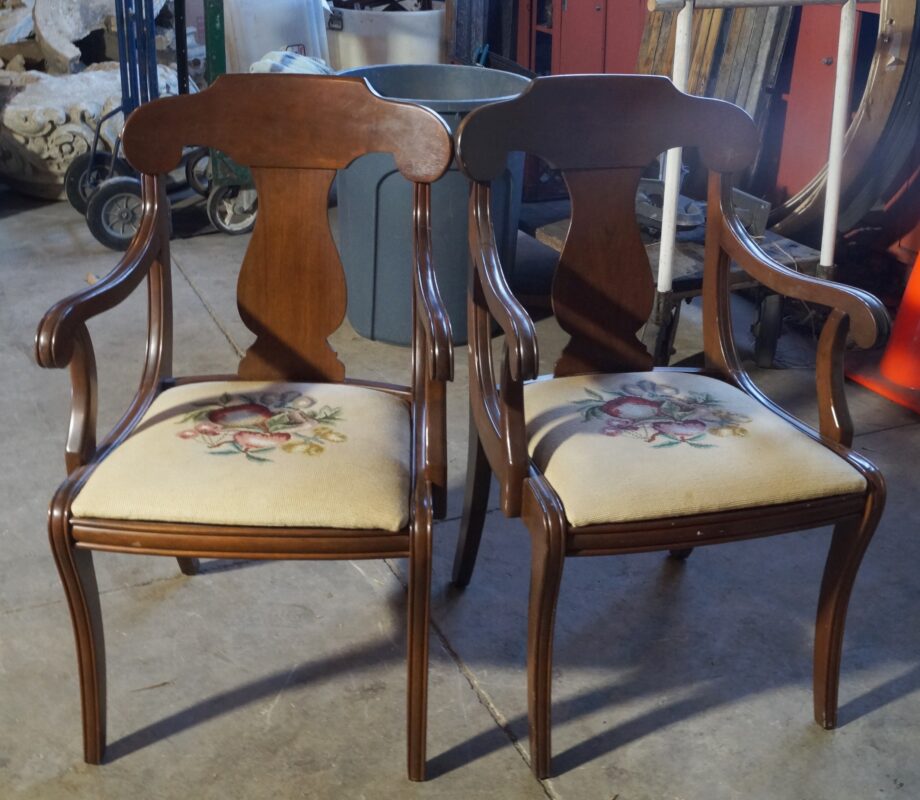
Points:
839	119
676	5
679	74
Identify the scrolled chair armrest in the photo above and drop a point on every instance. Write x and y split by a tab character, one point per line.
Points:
428	303
854	313
60	327
522	355
869	322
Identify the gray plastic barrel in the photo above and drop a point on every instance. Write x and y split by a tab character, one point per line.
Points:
375	205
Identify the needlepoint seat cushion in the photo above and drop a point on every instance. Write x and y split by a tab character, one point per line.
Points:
261	454
644	445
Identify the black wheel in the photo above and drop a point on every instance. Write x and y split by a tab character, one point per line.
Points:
114	212
197	164
86	172
233	209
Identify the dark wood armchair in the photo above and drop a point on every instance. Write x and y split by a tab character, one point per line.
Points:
286	459
608	455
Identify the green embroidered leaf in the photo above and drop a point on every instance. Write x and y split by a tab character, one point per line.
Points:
224	452
279	422
251	457
701	446
594	394
666	444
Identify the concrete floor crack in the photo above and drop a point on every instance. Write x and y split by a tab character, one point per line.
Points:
207	307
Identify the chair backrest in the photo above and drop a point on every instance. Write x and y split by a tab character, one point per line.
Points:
293	132
602	131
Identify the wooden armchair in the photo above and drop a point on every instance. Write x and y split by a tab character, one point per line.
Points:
286	459
608	455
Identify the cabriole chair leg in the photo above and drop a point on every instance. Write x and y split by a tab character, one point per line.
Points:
78	576
847	548
419	601
547	536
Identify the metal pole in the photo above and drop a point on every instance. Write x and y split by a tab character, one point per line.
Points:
680	73
674	5
839	119
181	29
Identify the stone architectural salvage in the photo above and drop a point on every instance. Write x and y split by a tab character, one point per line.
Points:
47	120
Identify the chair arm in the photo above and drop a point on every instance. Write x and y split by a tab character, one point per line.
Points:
520	337
60	326
869	321
498	405
63	339
430	308
853	312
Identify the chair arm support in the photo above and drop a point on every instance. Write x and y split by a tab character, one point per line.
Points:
520	336
60	327
430	308
869	321
853	312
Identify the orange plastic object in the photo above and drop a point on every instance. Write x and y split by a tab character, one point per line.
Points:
897	376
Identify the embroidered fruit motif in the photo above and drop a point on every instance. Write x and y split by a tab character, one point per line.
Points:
660	415
254	426
240	416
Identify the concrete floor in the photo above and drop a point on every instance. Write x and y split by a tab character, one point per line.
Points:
267	680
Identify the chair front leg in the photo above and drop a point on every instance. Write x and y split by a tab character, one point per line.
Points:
78	576
849	543
545	518
417	658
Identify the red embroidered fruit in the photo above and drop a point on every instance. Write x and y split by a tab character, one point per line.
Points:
246	415
684	430
254	441
632	407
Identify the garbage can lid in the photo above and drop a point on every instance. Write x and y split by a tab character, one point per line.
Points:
441	87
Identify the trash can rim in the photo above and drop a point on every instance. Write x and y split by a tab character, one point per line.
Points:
442	104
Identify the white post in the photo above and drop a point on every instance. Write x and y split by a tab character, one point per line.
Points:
679	74
845	48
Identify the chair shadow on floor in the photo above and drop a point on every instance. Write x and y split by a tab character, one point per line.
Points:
696	691
680	668
364	656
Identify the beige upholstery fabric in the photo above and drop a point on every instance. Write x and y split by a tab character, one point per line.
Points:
273	454
645	445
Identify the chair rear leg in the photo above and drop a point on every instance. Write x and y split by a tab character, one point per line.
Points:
78	576
475	503
417	658
189	566
547	554
680	553
847	548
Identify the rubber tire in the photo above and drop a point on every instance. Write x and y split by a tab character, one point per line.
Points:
193	177
81	179
100	208
218	195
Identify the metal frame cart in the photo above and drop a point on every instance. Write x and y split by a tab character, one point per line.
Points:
102	185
